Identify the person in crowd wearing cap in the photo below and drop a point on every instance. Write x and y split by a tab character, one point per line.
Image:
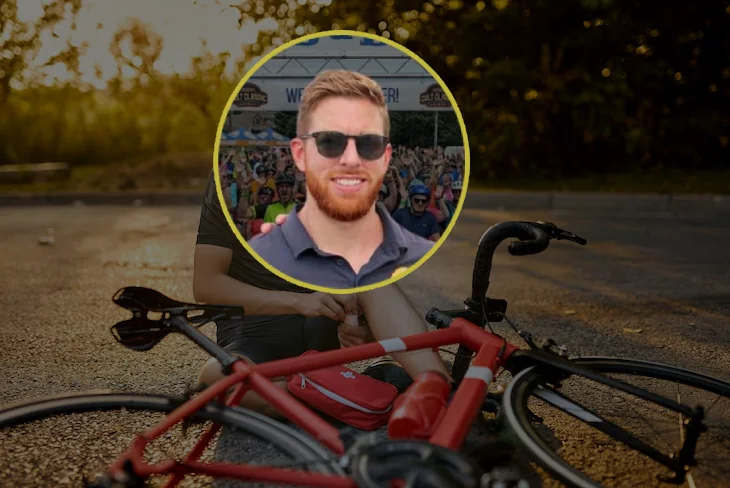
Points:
246	211
416	218
260	180
340	238
285	192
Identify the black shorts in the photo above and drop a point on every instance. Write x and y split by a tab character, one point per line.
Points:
271	337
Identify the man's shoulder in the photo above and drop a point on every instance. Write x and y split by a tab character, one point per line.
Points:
269	244
416	246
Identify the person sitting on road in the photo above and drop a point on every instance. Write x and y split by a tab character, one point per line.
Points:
283	320
417	219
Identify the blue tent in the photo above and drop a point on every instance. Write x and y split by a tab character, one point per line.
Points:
238	137
271	136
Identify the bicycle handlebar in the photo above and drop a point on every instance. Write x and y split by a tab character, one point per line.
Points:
534	237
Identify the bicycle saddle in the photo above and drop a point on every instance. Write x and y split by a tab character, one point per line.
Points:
140	299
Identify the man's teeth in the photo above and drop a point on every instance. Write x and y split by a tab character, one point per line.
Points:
348	182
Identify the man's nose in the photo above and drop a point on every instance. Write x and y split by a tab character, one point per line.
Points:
350	157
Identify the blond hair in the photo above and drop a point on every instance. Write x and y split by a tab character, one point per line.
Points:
340	83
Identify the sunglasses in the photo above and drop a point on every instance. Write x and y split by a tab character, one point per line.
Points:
332	144
420	200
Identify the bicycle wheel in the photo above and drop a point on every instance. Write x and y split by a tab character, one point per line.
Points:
57	441
562	436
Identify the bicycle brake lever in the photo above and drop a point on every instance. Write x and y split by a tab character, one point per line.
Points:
559	234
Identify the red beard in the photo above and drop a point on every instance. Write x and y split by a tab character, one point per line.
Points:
343	208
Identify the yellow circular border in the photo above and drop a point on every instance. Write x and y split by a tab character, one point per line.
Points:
396	276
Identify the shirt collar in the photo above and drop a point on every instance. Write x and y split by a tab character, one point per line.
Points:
299	240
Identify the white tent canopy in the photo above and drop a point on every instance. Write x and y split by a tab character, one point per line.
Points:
278	84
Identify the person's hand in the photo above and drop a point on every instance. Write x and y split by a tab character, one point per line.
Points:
319	304
354	335
438	192
268	227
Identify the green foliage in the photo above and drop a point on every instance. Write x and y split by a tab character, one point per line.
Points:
547	89
551	89
141	114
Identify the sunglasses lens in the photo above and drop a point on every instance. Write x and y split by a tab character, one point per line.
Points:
370	146
331	144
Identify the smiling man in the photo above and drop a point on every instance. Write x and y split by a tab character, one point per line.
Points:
341	238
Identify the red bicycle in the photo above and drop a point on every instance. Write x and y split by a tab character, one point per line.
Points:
588	421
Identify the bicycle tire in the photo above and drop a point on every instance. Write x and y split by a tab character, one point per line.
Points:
295	444
519	390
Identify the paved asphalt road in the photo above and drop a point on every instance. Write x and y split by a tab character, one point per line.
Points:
665	274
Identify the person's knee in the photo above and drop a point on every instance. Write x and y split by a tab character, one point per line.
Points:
212	370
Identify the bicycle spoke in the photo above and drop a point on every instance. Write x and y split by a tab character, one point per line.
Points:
630	429
681	418
712	405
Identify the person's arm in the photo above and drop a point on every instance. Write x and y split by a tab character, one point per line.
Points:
391	201
211	283
390	314
245	210
443	212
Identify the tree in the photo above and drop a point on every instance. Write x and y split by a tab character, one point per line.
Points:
556	89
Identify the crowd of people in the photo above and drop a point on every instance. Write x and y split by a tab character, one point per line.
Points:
421	189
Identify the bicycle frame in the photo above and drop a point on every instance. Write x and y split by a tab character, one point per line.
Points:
492	352
464	327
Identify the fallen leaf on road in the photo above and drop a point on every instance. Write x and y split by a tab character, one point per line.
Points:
570	312
632	331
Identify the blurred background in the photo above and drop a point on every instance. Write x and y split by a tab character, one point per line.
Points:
604	95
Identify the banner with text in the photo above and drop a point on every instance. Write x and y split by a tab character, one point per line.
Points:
404	95
342	46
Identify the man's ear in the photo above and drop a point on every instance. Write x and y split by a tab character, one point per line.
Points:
297	153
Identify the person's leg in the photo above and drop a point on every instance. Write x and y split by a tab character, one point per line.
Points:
320	334
258	340
211	372
390	314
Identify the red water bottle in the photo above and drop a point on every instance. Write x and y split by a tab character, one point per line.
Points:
419	409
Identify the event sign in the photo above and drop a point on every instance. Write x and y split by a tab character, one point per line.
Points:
342	46
284	95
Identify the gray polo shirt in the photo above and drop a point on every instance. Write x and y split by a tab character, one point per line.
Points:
290	249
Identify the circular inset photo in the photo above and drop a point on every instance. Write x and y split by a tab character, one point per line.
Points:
343	161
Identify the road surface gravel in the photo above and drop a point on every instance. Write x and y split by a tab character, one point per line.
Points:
653	286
